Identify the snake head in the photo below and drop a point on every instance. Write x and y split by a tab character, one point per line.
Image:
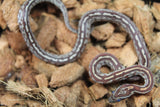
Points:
121	92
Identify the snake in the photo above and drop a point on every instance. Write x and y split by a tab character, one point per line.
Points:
32	44
119	71
83	34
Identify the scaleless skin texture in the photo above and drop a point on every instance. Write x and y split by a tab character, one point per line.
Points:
23	20
120	72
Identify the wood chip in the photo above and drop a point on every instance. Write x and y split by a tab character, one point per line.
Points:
155	44
47	32
98	91
81	90
128	52
156	10
72	71
42	80
28	76
144	21
62	47
3	24
65	34
116	40
141	100
43	67
86	6
10	100
155	97
103	32
125	6
15	41
7	61
70	3
20	61
101	103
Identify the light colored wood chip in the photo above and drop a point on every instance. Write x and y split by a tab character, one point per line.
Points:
86	6
48	31
62	47
11	100
156	98
127	55
72	72
7	61
70	3
144	21
28	76
43	67
125	6
101	103
20	61
3	24
116	40
98	91
65	34
103	32
155	44
42	80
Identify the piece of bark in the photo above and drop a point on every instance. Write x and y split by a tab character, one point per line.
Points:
125	53
98	91
102	1
62	47
156	10
86	6
140	100
121	103
10	100
103	32
80	89
3	24
7	61
20	61
48	31
15	41
3	42
144	21
101	103
89	53
70	3
128	52
51	98
156	98
64	34
72	72
114	51
66	96
43	67
125	6
28	76
116	40
42	80
157	26
10	10
155	44
156	13
62	93
34	103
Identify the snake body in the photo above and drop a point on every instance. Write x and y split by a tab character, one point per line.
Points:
119	71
